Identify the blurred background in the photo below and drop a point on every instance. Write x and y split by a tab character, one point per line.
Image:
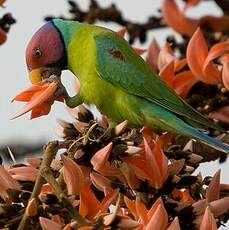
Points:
30	16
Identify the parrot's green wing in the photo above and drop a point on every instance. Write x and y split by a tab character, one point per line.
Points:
118	64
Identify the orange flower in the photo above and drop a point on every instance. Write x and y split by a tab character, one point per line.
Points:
207	73
47	224
73	176
202	65
1	2
7	181
120	128
174	225
155	216
183	195
150	164
181	82
101	164
39	98
165	61
78	184
213	191
100	182
31	209
176	19
153	53
24	173
225	72
221	51
90	207
208	222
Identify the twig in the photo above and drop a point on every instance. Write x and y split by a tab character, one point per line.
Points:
6	21
49	154
112	14
48	176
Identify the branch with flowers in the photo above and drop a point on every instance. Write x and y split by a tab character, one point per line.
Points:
123	179
98	177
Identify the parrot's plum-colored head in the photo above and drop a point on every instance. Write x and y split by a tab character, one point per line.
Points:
45	51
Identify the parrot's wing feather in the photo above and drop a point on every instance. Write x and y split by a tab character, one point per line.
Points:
118	64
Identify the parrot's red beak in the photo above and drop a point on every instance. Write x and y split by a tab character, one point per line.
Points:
39	99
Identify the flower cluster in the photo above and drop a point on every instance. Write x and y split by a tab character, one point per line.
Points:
202	56
97	177
119	177
198	59
39	99
177	19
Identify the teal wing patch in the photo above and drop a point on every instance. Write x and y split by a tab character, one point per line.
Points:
118	64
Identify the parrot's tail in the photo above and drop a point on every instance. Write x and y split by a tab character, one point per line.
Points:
172	123
184	129
202	137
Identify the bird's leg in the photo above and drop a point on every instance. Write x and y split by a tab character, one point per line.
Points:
61	91
73	101
111	124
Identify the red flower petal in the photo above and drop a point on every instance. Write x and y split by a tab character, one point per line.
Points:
174	225
121	32
216	51
208	222
214	188
225	73
183	82
175	18
73	176
141	211
100	158
165	56
153	52
198	45
89	205
47	224
38	98
159	219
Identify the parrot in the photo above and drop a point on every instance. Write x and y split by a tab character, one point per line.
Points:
114	78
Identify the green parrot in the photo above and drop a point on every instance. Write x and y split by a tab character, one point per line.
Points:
114	78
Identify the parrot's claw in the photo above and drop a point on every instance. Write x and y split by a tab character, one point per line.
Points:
61	90
53	74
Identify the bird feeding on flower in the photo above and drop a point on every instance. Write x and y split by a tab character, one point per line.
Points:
113	77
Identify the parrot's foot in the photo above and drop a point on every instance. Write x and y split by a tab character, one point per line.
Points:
61	90
53	74
74	101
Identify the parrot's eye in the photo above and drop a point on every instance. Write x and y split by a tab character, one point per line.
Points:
37	52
